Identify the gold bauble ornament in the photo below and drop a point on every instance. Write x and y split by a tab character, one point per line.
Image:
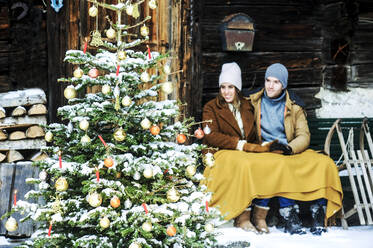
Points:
129	10
209	227
48	136
119	134
85	140
122	55
144	31
84	124
61	184
78	73
152	4
190	170
148	172
69	92
167	87
11	224
110	33
173	195
145	77
106	89
94	199
105	222
126	101
145	123
93	11
147	226
135	245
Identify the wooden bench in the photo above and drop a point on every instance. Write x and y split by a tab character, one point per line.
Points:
347	148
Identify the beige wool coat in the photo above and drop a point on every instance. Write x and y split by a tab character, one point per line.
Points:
295	122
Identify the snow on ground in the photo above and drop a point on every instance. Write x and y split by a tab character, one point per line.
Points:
336	237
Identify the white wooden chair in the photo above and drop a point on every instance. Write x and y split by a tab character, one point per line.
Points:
358	164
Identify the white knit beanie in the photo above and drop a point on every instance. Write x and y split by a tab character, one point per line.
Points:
231	73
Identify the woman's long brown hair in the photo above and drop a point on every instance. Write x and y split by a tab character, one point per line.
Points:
236	100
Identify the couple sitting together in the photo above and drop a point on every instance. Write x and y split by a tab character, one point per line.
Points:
262	143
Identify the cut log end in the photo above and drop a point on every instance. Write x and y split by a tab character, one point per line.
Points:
14	156
19	111
17	135
34	132
3	135
39	156
37	109
2	113
2	157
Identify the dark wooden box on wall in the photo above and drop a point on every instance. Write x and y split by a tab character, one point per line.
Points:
237	33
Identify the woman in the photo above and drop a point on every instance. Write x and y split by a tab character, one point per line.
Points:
232	128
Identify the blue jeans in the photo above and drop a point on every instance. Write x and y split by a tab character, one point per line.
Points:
285	202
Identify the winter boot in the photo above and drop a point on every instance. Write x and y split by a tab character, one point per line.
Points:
260	214
243	221
318	217
293	225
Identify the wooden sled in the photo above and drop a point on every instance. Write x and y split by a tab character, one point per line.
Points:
359	168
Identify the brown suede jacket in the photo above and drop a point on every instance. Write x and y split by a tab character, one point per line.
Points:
296	126
225	132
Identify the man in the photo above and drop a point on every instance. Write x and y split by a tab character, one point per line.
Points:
278	117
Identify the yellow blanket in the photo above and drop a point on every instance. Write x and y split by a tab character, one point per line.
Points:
238	177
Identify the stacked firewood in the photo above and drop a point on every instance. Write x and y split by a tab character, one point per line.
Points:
21	114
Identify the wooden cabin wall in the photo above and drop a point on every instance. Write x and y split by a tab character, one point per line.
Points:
23	45
316	40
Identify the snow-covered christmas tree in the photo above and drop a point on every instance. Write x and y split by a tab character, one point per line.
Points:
119	172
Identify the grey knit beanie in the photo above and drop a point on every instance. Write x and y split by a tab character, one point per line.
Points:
231	73
278	71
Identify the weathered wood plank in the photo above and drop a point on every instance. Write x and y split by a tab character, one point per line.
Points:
23	170
6	175
23	121
22	97
22	144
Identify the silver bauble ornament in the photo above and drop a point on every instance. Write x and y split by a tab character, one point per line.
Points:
190	170
147	226
145	123
94	199
145	77
11	224
126	101
106	89
110	33
148	172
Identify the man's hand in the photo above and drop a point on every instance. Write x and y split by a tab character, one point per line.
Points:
281	148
